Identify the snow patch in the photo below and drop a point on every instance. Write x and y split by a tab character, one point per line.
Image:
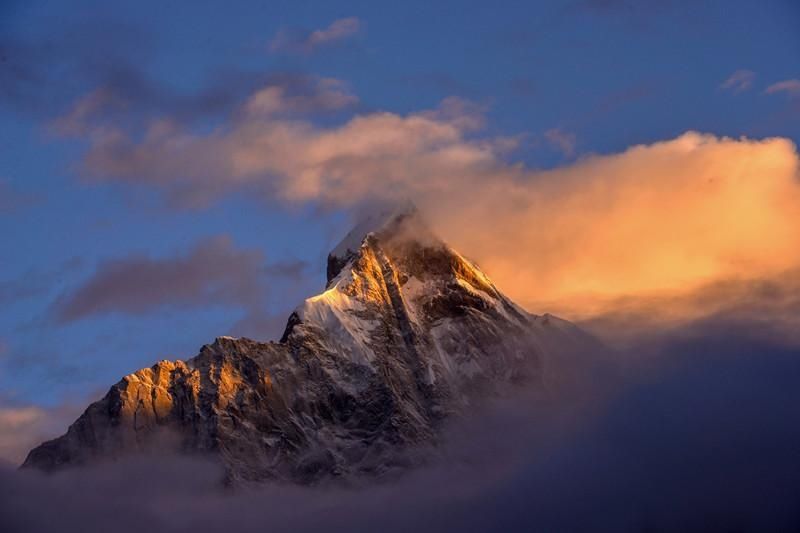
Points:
336	313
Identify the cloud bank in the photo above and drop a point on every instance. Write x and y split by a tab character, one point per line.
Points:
660	218
699	438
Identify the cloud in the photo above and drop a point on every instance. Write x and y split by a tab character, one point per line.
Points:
132	105
14	422
739	81
698	438
24	426
339	29
212	272
291	158
12	199
326	94
293	269
791	87
110	83
309	41
563	141
768	309
654	219
36	282
39	76
29	285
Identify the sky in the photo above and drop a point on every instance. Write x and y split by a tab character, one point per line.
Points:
171	173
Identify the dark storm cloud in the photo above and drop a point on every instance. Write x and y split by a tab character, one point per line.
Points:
702	435
213	272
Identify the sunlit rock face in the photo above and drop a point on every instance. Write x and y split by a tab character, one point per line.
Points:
407	334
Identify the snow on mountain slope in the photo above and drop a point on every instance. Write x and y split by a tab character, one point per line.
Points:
407	333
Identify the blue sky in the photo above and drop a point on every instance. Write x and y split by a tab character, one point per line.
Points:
565	78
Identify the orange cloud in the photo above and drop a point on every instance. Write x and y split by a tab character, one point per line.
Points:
656	219
670	216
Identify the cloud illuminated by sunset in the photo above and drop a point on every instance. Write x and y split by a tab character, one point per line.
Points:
656	218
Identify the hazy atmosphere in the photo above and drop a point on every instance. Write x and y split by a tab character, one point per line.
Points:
173	173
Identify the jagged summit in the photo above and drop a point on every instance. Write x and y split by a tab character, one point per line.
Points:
407	333
373	221
401	220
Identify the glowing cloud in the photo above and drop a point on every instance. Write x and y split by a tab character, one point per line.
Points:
655	219
670	216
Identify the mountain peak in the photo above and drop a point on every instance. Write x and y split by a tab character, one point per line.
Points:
407	333
401	221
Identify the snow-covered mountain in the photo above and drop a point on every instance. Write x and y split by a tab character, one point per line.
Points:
407	333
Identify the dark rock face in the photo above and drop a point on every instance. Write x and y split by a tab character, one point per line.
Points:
407	334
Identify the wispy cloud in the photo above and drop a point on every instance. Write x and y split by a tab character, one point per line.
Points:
12	199
41	75
323	94
25	426
36	282
790	87
563	141
213	272
308	41
739	81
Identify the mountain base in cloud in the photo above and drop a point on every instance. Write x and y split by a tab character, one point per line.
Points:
407	335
